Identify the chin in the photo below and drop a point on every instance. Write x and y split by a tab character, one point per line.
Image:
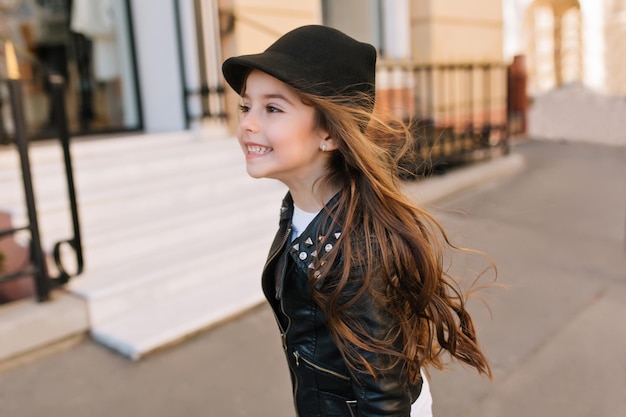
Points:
254	174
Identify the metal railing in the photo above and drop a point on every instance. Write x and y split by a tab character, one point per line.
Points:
204	97
458	112
38	266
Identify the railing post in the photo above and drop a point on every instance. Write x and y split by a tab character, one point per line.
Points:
42	283
57	84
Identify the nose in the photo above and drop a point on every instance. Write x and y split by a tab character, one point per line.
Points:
248	123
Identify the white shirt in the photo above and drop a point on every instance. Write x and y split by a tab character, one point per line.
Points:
300	220
423	406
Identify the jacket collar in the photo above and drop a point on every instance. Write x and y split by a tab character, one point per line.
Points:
317	239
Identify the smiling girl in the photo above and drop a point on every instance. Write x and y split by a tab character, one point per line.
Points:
355	273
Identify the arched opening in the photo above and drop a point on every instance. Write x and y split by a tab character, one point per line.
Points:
553	44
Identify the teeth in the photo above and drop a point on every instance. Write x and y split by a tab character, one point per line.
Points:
259	149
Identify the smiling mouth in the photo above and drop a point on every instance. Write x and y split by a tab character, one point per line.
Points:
259	150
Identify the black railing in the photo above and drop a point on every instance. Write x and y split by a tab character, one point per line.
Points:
212	102
38	267
458	111
204	97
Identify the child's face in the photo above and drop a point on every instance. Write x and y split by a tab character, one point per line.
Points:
278	133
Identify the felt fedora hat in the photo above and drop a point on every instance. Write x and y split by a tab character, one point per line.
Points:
313	59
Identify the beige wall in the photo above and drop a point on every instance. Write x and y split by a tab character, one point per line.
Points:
442	31
354	17
446	31
257	24
615	33
459	32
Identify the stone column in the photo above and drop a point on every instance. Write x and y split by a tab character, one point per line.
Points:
615	51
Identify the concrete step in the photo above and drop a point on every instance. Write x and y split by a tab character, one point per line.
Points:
26	326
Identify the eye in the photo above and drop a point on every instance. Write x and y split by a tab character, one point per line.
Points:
272	109
243	108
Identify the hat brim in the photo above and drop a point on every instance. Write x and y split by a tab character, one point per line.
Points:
276	64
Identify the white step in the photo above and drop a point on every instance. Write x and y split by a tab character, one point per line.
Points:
147	329
174	231
145	273
154	287
152	232
109	177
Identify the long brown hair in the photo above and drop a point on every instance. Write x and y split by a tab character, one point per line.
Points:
392	252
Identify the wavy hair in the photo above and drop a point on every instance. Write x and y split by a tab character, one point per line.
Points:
390	251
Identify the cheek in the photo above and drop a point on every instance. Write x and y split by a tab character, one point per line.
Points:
239	135
298	142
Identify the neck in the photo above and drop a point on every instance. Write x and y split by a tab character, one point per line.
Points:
314	200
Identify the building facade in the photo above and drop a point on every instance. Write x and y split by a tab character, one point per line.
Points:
139	65
568	42
91	45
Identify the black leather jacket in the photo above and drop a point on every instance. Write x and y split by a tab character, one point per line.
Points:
323	385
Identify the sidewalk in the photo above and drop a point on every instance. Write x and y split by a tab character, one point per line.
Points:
556	339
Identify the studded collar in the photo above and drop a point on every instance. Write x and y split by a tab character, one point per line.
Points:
319	238
309	248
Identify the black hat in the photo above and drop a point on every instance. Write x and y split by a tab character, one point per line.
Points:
313	59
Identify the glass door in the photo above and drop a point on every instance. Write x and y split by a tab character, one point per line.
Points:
87	42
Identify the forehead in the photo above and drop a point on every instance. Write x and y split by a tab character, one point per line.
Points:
261	83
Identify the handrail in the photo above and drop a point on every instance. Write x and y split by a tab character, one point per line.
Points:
57	84
37	257
44	283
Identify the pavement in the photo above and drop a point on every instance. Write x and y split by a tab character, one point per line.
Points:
553	330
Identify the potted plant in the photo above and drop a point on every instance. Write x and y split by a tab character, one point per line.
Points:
13	257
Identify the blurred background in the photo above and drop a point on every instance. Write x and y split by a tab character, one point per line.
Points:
126	238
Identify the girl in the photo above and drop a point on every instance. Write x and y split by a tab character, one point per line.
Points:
355	274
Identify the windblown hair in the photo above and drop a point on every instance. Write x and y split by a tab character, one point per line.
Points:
390	251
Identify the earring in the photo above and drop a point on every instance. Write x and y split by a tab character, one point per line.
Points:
323	147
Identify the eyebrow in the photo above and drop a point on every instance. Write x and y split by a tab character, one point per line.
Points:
272	96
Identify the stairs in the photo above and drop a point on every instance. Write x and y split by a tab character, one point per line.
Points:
175	233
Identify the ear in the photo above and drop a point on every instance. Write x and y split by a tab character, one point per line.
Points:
329	144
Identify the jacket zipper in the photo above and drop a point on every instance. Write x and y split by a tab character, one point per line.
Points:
285	347
299	357
283	332
350	404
